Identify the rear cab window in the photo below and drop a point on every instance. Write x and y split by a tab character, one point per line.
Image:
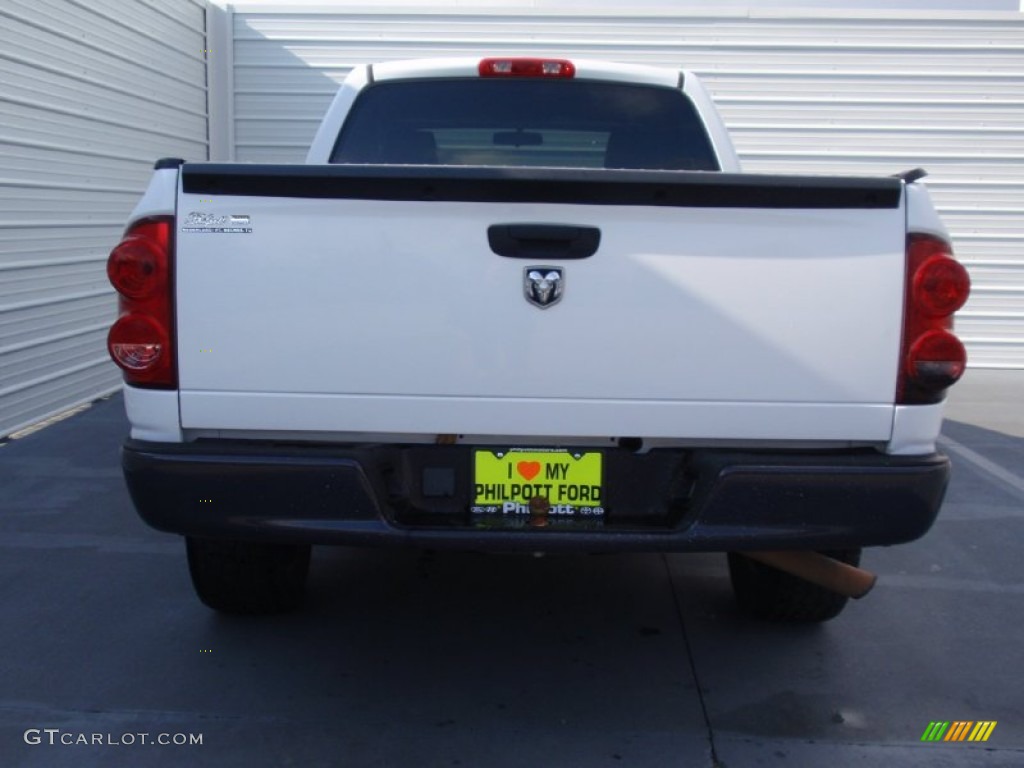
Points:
525	122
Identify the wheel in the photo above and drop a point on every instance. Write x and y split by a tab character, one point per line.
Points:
768	593
248	577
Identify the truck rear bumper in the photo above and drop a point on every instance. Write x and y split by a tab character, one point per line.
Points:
668	501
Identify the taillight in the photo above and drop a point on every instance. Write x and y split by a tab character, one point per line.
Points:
141	341
519	67
133	266
932	358
940	285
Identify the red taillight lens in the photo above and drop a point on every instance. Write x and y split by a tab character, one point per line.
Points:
519	67
933	358
936	360
137	343
141	341
133	267
940	285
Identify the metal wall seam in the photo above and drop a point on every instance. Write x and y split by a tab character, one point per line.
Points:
220	81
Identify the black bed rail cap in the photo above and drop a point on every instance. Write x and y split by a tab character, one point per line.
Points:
914	174
168	162
586	186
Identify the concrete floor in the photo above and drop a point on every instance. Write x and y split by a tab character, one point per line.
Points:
412	659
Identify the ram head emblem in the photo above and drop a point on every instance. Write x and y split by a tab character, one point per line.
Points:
543	286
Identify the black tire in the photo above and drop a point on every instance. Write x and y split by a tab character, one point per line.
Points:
248	577
768	593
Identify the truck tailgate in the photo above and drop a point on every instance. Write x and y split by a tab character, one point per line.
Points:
716	306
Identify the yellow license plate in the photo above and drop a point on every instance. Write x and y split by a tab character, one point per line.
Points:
506	480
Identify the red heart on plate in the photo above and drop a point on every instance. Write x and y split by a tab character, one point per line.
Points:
528	469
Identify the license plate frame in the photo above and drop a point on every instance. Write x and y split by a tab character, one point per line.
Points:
504	480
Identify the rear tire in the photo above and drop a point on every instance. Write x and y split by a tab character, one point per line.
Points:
245	577
768	593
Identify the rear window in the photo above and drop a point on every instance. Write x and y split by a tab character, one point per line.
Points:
528	122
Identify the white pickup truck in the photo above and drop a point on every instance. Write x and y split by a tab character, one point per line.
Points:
532	304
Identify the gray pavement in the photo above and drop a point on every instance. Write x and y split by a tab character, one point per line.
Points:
412	659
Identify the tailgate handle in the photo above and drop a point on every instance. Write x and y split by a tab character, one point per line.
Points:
543	241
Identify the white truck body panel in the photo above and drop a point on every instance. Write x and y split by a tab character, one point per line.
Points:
546	419
680	331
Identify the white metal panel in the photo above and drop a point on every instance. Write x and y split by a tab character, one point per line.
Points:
93	92
873	92
787	344
303	413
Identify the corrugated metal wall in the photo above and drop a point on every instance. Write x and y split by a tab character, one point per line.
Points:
92	93
870	93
